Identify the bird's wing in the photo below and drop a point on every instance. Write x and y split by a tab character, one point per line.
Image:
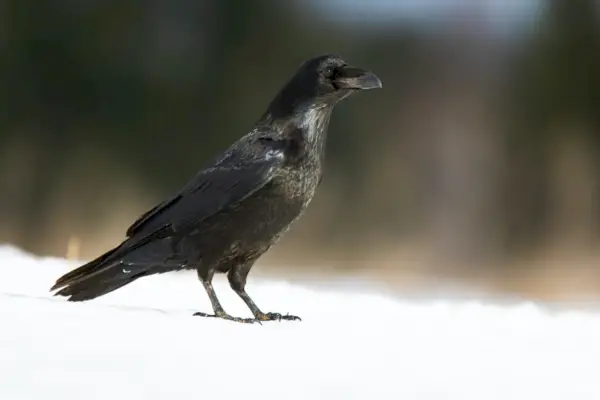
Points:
232	179
211	191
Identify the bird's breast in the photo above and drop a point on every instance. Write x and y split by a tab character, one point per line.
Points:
255	224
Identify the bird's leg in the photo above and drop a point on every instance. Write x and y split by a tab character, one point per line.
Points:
206	279
237	279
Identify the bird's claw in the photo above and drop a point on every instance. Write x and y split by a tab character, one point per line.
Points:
226	316
277	317
260	317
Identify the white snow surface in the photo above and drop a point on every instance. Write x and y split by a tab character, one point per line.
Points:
141	342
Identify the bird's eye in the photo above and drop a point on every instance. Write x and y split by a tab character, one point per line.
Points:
329	72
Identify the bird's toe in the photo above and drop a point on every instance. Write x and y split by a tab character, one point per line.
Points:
201	314
289	317
277	317
226	316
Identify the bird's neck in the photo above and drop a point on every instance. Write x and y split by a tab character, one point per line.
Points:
312	122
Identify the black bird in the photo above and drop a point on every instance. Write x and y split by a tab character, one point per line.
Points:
234	210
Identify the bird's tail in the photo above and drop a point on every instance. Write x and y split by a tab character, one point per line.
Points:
82	271
117	268
112	270
95	278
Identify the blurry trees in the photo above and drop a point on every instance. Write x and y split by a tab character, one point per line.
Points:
143	91
554	128
477	148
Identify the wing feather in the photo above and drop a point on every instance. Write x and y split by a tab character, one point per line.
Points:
210	192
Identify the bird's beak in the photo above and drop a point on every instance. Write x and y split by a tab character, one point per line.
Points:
356	78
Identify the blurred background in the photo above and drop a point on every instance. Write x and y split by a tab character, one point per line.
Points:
477	164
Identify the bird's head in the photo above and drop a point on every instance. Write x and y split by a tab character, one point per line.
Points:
320	82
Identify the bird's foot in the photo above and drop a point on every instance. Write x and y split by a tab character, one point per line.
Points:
224	315
276	317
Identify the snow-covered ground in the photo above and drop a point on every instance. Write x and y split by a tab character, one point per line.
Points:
141	342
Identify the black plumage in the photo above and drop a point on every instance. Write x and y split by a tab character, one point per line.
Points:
233	211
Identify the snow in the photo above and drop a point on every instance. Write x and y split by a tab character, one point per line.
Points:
141	342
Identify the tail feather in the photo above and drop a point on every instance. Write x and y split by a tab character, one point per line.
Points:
112	270
88	290
83	270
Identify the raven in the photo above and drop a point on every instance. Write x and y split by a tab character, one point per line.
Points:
235	209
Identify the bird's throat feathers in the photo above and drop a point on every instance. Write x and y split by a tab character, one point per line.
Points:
312	122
